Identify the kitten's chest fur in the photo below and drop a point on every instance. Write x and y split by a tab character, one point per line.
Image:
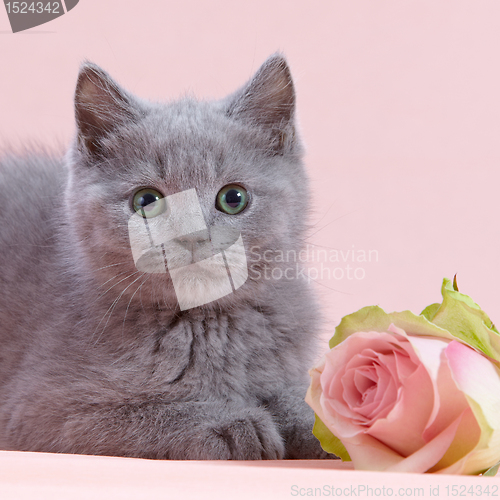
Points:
240	355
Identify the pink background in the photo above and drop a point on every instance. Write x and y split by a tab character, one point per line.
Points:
399	107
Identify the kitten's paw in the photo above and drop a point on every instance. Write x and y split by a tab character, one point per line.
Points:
251	436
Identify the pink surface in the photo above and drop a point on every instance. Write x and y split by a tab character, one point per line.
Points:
398	105
47	476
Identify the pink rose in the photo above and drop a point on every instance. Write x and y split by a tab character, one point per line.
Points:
409	402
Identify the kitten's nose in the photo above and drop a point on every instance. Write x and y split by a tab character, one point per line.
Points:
194	240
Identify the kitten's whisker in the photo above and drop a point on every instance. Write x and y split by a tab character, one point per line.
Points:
331	222
320	246
112	308
111	287
329	288
102	295
325	214
130	301
112	278
110	265
140	298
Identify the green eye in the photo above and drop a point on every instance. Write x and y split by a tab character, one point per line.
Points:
149	203
232	199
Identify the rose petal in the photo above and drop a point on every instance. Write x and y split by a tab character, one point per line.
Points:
403	368
346	421
484	455
479	379
429	454
343	357
402	429
339	424
364	404
351	394
365	379
452	401
386	404
466	438
368	453
404	346
429	352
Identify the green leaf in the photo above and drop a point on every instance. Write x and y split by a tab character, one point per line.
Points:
492	471
329	442
418	325
375	319
430	311
466	321
367	319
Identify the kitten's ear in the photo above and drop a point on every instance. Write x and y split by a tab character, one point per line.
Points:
268	101
100	105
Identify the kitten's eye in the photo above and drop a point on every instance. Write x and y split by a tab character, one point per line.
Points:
232	199
149	203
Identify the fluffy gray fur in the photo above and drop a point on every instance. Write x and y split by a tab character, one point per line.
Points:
96	357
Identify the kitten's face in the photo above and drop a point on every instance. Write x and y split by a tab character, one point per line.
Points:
229	176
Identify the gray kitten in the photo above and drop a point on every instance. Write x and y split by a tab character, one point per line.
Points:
97	353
